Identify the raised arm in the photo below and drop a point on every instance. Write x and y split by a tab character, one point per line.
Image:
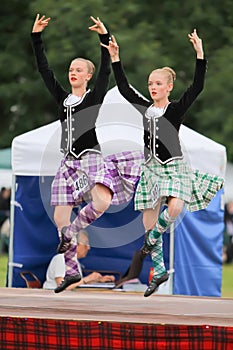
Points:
46	72
197	85
98	26
113	49
40	23
122	83
102	79
197	44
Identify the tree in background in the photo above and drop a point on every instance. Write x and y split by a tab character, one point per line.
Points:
152	34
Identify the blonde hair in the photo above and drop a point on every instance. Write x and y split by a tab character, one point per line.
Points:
169	72
90	65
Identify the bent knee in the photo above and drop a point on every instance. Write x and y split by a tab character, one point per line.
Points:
102	197
175	208
102	204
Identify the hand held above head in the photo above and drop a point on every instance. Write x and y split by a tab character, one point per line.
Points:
40	23
197	44
113	49
98	26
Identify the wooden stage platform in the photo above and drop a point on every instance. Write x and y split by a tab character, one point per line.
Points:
35	319
116	306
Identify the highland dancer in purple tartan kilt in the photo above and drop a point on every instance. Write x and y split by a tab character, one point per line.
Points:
165	176
84	175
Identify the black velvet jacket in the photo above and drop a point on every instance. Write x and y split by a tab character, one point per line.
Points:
78	117
161	134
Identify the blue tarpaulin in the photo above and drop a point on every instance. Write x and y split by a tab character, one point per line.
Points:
198	252
114	238
119	232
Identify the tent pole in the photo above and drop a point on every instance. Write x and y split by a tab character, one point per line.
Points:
171	258
11	240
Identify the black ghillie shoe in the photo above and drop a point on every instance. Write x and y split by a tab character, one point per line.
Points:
68	280
133	270
135	267
64	245
154	284
146	248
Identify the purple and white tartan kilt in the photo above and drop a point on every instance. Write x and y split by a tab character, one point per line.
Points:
76	177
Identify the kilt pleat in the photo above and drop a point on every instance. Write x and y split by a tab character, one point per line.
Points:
76	177
175	179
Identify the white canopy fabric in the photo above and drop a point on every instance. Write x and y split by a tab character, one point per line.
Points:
5	168
119	128
5	178
228	188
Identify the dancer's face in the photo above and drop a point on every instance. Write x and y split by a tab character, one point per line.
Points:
158	86
78	73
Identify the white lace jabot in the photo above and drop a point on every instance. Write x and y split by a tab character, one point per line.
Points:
155	112
73	100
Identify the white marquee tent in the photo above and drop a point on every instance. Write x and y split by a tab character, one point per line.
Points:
119	127
37	152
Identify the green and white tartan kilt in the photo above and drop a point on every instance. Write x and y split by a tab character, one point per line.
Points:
178	180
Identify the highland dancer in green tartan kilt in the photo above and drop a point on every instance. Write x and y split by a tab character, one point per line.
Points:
165	176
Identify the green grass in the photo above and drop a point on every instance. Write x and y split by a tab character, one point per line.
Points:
3	269
227	281
227	274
